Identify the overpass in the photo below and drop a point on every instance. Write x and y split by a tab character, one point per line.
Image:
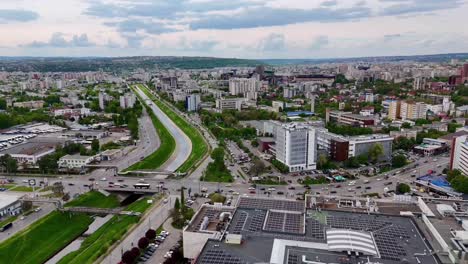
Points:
132	190
92	210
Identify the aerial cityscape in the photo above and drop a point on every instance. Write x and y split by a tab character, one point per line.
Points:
234	132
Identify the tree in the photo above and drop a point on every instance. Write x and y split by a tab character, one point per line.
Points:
95	145
128	257
182	199
9	163
322	161
406	125
143	243
451	174
177	204
403	188
258	167
352	162
375	151
217	198
254	143
150	234
398	161
363	158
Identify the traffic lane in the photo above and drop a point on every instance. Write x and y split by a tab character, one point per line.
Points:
183	144
20	224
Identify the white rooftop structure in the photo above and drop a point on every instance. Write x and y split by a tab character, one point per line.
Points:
350	240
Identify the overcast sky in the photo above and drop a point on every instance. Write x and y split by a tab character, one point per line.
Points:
233	28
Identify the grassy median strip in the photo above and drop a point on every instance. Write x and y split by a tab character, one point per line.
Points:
100	241
95	199
199	146
165	150
44	238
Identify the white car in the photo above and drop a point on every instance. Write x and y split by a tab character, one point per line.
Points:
251	188
271	189
103	179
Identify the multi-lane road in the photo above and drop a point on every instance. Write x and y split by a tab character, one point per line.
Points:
183	146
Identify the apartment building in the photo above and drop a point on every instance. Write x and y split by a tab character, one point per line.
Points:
413	110
296	146
243	86
192	102
393	109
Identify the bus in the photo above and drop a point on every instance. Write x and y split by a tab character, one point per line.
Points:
141	185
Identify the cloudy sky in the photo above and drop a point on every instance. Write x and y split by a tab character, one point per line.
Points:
233	28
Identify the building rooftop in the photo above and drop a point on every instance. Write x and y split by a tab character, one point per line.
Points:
8	198
76	157
29	148
269	230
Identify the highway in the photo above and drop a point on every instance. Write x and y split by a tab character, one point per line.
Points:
183	144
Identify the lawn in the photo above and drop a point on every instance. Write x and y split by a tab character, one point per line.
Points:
163	153
199	146
44	238
23	189
100	241
95	199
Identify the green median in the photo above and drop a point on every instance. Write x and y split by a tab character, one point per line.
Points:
199	146
165	150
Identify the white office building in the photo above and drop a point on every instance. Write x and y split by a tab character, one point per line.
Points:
74	161
296	146
459	159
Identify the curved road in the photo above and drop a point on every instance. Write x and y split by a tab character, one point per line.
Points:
183	144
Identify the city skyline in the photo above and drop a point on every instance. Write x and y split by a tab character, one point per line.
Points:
246	29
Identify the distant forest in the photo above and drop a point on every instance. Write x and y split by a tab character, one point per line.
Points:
117	64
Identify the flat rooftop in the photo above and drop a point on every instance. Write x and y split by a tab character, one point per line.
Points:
7	199
396	238
213	215
29	148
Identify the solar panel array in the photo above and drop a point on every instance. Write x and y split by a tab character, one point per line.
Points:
386	240
293	259
389	247
239	224
284	222
256	222
356	223
267	204
218	256
315	229
385	234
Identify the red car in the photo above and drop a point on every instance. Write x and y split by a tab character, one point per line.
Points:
252	192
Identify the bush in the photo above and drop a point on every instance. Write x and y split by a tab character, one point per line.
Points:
150	234
403	188
143	243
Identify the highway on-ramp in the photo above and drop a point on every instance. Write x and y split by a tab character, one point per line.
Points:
183	144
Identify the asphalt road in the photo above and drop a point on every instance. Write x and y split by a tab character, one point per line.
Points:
183	144
19	224
148	142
